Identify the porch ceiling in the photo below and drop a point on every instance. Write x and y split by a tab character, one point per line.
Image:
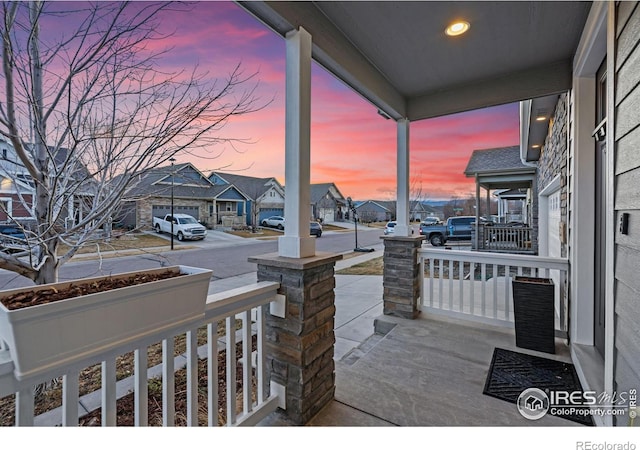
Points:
397	55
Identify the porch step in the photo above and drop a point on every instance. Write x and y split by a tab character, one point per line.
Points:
382	328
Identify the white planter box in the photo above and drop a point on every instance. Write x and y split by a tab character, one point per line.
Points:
53	335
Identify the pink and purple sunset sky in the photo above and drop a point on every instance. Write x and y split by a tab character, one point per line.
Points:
351	145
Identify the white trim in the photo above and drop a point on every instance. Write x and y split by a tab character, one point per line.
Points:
402	172
610	232
296	242
543	214
9	201
589	55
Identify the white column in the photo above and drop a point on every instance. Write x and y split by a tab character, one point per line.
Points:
402	202
296	242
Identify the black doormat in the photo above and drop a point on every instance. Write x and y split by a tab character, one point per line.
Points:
511	373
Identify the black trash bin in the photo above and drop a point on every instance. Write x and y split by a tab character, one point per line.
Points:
533	305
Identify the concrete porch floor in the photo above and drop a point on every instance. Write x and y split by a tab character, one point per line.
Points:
427	372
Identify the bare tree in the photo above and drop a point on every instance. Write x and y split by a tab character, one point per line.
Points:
89	110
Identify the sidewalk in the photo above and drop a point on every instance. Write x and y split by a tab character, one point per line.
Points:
358	300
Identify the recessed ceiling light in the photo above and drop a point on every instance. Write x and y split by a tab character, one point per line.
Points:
457	28
541	118
535	146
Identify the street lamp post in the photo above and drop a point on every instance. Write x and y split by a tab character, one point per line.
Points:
355	224
173	160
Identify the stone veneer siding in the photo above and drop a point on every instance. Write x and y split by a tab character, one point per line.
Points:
553	159
300	347
401	276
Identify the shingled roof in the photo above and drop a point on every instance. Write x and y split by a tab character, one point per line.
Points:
496	160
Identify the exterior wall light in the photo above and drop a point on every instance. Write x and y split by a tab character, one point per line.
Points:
457	28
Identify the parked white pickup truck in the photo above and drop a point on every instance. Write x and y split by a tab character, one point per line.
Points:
184	226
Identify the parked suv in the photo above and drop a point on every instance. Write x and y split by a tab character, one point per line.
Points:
315	229
391	227
273	221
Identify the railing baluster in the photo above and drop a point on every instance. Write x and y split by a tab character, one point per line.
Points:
24	407
450	285
507	290
231	371
495	291
247	402
461	284
483	276
140	389
109	411
261	360
212	373
192	378
440	281
70	399
421	268
472	278
432	271
168	383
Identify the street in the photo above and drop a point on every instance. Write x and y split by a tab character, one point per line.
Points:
225	261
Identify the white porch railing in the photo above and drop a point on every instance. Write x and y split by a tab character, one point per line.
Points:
477	285
259	400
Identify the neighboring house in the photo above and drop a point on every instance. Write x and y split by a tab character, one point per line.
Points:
193	194
418	211
17	190
373	211
327	203
512	205
502	169
265	196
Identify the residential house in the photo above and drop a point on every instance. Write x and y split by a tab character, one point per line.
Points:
585	52
373	211
503	169
192	193
513	205
17	190
327	203
265	195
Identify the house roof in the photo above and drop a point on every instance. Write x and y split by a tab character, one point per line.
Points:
496	160
189	182
253	187
397	56
386	206
319	190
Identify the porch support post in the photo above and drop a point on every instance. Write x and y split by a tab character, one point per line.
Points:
402	201
488	211
477	231
300	346
401	276
296	242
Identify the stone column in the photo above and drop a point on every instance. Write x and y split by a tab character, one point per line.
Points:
401	276
300	346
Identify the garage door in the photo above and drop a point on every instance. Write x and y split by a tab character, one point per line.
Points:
264	213
553	240
163	210
553	231
327	214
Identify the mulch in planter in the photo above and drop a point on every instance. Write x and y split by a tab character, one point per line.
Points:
39	297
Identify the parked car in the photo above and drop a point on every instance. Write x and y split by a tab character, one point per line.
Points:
184	226
12	238
457	228
273	221
315	229
391	227
431	221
